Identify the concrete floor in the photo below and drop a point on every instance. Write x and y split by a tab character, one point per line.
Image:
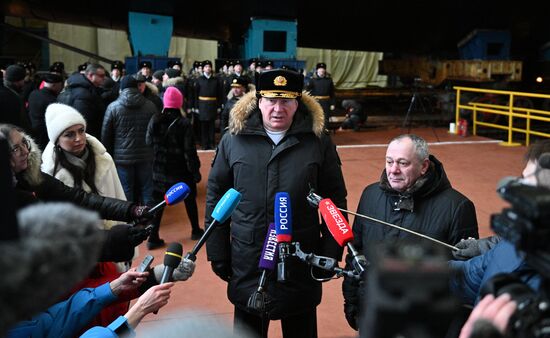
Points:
474	166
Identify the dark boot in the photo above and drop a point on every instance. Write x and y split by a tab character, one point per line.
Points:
196	234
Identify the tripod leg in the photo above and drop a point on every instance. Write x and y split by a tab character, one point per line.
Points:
407	120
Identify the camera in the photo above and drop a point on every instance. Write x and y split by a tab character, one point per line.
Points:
407	291
525	225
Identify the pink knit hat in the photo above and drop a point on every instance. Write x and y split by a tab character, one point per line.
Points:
172	98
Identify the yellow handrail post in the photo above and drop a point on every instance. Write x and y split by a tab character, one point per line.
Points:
457	110
474	120
510	118
528	129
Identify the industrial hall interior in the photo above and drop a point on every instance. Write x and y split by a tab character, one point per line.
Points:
256	169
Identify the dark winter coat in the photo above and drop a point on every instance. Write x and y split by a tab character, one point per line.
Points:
248	161
208	88
13	109
438	211
39	100
125	127
322	88
86	98
44	187
175	155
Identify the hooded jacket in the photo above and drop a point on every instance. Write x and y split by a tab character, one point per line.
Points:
248	161
83	96
106	178
434	209
171	136
125	127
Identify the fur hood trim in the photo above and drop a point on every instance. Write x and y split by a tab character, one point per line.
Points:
173	81
154	89
32	174
248	103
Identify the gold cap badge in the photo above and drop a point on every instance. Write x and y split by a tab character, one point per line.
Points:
280	81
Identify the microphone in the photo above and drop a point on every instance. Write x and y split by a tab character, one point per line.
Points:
225	207
172	258
314	200
283	229
341	231
268	259
177	193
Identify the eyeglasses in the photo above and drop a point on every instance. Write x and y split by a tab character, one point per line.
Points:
18	148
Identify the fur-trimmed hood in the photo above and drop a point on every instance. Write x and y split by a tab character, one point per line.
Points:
154	89
241	112
32	174
173	81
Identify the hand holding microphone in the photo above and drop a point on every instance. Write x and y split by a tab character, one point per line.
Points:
172	258
182	272
178	192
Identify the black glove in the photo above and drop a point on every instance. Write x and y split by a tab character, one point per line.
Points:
140	214
137	234
351	312
222	269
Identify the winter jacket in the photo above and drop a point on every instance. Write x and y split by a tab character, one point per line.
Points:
208	97
32	183
106	177
125	126
81	94
39	100
322	88
468	277
67	318
13	109
171	136
435	210
248	161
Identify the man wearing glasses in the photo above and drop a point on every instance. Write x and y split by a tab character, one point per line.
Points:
415	193
83	92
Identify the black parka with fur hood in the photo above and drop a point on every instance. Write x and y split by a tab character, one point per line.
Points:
248	161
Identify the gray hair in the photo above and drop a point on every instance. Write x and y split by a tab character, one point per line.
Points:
93	67
420	145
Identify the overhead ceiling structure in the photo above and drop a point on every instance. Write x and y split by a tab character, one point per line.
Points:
422	27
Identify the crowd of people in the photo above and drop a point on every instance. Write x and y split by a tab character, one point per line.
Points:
114	143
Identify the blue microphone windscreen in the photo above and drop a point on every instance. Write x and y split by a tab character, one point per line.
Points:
177	193
283	217
226	205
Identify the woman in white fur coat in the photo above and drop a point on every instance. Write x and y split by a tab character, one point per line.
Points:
76	158
79	159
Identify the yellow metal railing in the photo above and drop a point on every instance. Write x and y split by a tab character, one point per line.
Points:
504	103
